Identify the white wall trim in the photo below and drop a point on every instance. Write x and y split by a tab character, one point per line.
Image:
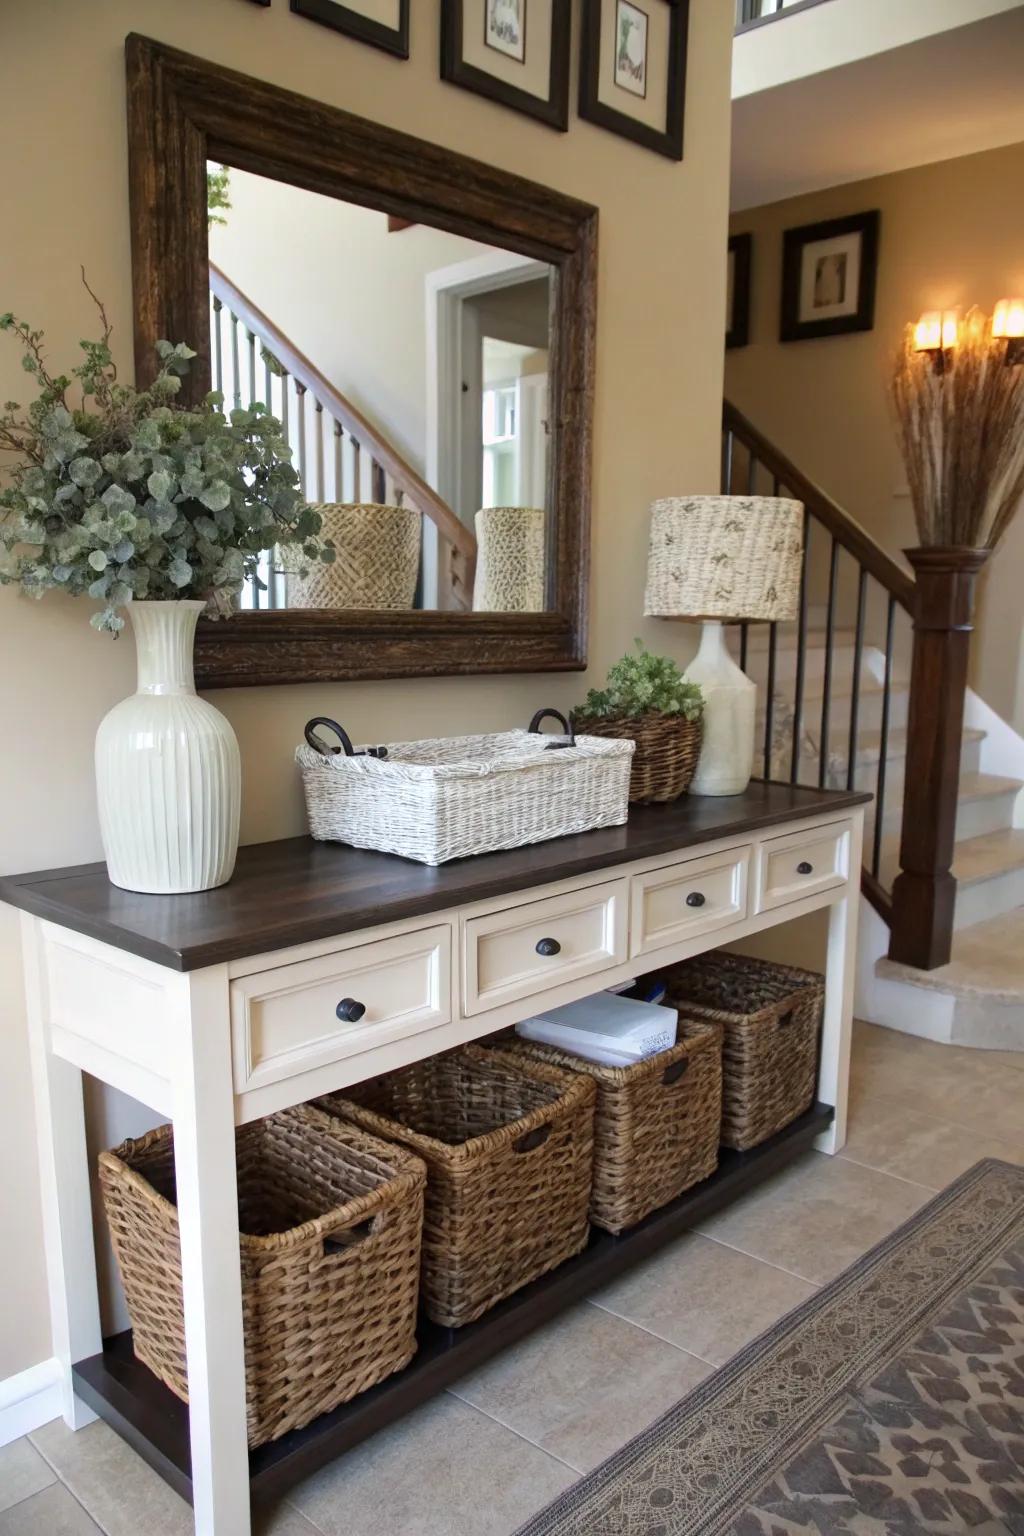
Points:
29	1400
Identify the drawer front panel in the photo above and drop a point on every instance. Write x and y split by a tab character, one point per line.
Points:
686	900
522	950
803	864
287	1021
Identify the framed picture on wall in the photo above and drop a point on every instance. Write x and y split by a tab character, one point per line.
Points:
515	52
633	70
384	23
829	272
737	302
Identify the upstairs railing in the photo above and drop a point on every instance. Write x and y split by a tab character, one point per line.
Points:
868	695
340	454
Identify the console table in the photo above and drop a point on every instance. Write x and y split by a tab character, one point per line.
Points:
221	1007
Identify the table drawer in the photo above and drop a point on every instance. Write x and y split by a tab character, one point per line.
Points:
297	1017
520	950
802	864
685	900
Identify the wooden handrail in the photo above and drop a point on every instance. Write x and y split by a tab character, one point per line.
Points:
846	530
449	525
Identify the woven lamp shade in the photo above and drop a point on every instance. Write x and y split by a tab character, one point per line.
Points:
724	557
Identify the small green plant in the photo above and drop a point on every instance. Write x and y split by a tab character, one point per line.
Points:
127	494
644	684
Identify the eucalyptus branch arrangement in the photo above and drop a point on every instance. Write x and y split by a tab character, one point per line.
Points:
644	684
127	494
961	433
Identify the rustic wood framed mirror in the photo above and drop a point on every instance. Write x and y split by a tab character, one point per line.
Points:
500	470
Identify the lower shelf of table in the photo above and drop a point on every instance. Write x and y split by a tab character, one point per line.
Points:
142	1410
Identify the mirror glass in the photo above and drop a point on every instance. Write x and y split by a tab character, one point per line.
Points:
411	369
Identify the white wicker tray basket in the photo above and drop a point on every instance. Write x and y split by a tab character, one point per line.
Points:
451	797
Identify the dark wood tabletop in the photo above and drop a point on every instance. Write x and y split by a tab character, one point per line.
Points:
297	890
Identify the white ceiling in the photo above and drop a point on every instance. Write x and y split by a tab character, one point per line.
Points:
948	95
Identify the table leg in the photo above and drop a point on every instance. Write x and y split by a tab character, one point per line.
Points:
840	972
64	1184
204	1158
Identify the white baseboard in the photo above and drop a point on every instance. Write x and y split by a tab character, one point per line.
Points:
29	1400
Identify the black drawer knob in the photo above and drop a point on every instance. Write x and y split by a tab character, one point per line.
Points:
804	868
349	1011
696	899
548	947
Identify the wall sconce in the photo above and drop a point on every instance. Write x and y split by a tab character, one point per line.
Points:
1008	326
937	333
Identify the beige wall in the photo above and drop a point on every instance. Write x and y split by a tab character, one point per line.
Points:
656	429
952	234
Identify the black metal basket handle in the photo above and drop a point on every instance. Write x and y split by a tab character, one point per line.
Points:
567	730
326	750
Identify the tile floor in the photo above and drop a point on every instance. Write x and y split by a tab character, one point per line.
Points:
480	1459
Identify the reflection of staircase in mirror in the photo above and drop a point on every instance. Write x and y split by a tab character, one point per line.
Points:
834	691
341	457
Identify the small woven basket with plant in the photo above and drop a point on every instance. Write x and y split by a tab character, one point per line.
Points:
648	701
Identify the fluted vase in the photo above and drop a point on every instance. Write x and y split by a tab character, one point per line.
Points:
168	772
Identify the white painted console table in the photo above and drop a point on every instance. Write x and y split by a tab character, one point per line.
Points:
318	966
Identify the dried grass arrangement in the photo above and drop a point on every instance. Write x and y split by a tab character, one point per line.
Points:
961	432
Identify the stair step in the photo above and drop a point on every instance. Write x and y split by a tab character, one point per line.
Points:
985	803
985	786
985	977
989	856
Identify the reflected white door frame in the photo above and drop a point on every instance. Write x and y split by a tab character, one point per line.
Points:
446	292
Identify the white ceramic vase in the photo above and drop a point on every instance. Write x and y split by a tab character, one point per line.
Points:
168	772
730	705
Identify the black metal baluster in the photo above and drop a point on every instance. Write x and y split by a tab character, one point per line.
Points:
727	448
801	657
858	646
744	636
752	473
883	744
769	706
826	692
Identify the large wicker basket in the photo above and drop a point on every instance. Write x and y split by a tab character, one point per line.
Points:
331	1222
455	796
508	1145
377	564
667	749
656	1124
771	1017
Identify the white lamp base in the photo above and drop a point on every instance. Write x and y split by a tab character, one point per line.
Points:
730	704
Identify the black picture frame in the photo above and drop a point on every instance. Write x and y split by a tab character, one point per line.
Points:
791	327
741	249
554	110
342	18
594	110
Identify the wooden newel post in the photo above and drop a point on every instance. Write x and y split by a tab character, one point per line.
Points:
924	893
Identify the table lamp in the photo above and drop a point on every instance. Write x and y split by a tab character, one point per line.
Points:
714	559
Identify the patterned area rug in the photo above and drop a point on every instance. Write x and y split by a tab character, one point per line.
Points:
889	1404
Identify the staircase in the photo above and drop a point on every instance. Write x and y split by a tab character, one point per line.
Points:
835	704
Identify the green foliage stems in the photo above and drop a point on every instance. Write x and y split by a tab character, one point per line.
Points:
130	495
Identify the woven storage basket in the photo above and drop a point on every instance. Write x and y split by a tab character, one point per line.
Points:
771	1017
667	749
454	796
377	564
656	1124
330	1221
508	1145
510	560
